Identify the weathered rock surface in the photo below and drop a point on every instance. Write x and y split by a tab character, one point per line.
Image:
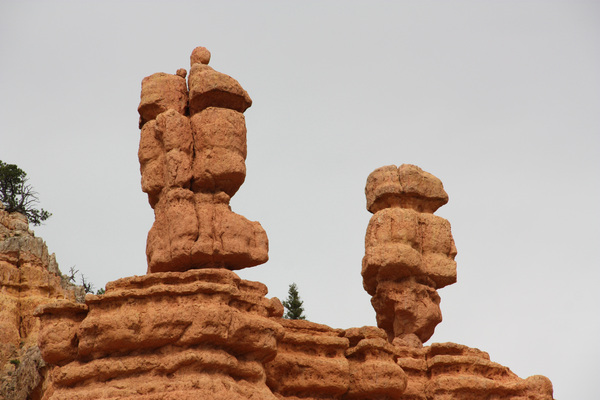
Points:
310	362
452	371
315	361
374	372
409	252
192	159
206	333
197	334
25	380
29	277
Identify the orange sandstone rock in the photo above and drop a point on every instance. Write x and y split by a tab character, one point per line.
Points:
407	186
315	361
374	372
407	307
29	277
161	92
409	252
220	150
452	371
59	333
207	234
310	362
196	334
200	55
209	88
192	166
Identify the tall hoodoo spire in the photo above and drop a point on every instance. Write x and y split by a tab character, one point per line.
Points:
192	159
409	252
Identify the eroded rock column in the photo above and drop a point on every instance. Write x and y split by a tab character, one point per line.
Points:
409	252
192	159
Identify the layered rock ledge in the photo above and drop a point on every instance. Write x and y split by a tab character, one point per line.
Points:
197	334
206	334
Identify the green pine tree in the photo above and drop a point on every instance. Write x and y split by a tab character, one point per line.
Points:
18	196
293	304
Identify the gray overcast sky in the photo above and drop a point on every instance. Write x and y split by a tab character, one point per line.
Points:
499	99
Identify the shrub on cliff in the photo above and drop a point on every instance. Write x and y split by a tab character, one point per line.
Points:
293	304
18	196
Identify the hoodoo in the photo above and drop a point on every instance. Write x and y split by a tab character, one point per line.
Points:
192	157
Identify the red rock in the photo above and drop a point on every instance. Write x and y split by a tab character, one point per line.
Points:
58	337
209	88
407	186
200	55
452	371
197	334
409	253
29	277
407	307
161	92
207	235
374	372
190	169
315	361
310	362
402	243
220	150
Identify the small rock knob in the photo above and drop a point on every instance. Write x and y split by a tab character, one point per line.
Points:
200	55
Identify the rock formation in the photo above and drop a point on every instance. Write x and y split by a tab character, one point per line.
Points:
314	361
173	335
192	158
409	252
191	328
29	277
453	371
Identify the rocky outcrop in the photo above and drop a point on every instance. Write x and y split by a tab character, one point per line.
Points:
198	334
29	277
310	362
192	158
374	373
315	361
453	371
25	377
206	333
191	328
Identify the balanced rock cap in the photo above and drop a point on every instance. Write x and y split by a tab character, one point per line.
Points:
407	186
210	88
